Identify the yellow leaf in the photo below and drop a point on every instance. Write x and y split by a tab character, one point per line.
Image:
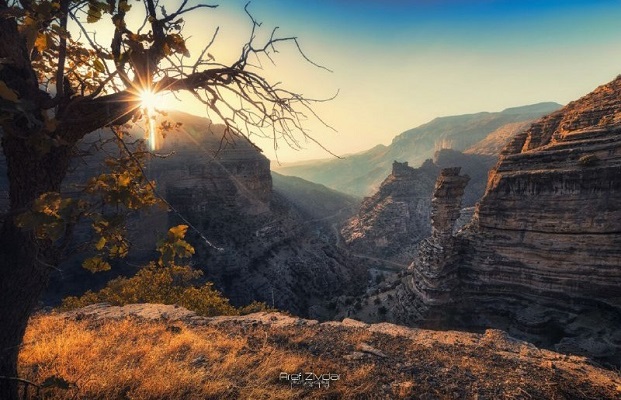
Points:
7	93
166	49
177	232
100	243
124	180
96	264
98	65
41	42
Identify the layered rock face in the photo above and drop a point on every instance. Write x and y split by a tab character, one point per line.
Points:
264	248
206	174
392	222
542	256
433	275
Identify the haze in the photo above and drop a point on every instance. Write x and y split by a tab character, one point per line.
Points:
398	64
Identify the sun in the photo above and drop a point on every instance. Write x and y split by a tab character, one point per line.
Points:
149	102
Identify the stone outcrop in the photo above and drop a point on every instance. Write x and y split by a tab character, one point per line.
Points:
392	222
383	360
433	273
542	256
205	173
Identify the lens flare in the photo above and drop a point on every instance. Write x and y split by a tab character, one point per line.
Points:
149	101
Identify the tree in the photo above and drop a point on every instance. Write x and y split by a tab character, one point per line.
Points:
55	89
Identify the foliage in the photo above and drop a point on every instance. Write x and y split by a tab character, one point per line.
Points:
106	201
59	82
165	282
588	160
164	285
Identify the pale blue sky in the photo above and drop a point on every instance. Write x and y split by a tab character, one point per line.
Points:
399	64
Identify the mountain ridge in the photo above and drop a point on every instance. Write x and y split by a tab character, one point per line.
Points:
361	173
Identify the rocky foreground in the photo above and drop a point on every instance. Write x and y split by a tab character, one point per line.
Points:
156	351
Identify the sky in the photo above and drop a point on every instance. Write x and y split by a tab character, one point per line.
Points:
398	64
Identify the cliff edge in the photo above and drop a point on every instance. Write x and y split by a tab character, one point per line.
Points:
157	351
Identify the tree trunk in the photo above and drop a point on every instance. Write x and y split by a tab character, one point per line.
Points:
25	262
24	277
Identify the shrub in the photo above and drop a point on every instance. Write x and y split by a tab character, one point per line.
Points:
171	284
165	282
588	160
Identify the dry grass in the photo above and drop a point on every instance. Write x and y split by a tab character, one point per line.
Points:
133	358
137	359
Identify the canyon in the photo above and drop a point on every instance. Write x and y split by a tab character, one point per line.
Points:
541	258
483	133
255	241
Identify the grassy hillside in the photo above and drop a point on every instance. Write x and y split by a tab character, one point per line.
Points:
163	352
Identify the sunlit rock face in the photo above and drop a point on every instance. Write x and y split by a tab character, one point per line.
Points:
263	247
542	256
207	172
390	223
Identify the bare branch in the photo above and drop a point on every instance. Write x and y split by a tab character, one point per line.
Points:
62	51
182	10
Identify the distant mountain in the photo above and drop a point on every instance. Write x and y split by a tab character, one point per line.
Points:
359	174
497	140
313	199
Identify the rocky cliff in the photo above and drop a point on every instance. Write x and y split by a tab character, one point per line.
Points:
360	174
261	245
267	249
390	223
542	256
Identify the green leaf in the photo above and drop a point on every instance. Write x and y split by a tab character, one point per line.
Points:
94	12
123	6
96	264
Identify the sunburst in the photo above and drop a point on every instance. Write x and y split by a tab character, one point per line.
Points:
149	101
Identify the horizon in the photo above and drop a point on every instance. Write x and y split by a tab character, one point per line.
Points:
445	58
329	157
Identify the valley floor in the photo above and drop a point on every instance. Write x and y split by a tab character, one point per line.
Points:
148	351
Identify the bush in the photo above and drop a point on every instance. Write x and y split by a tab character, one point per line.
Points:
588	160
171	284
382	310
